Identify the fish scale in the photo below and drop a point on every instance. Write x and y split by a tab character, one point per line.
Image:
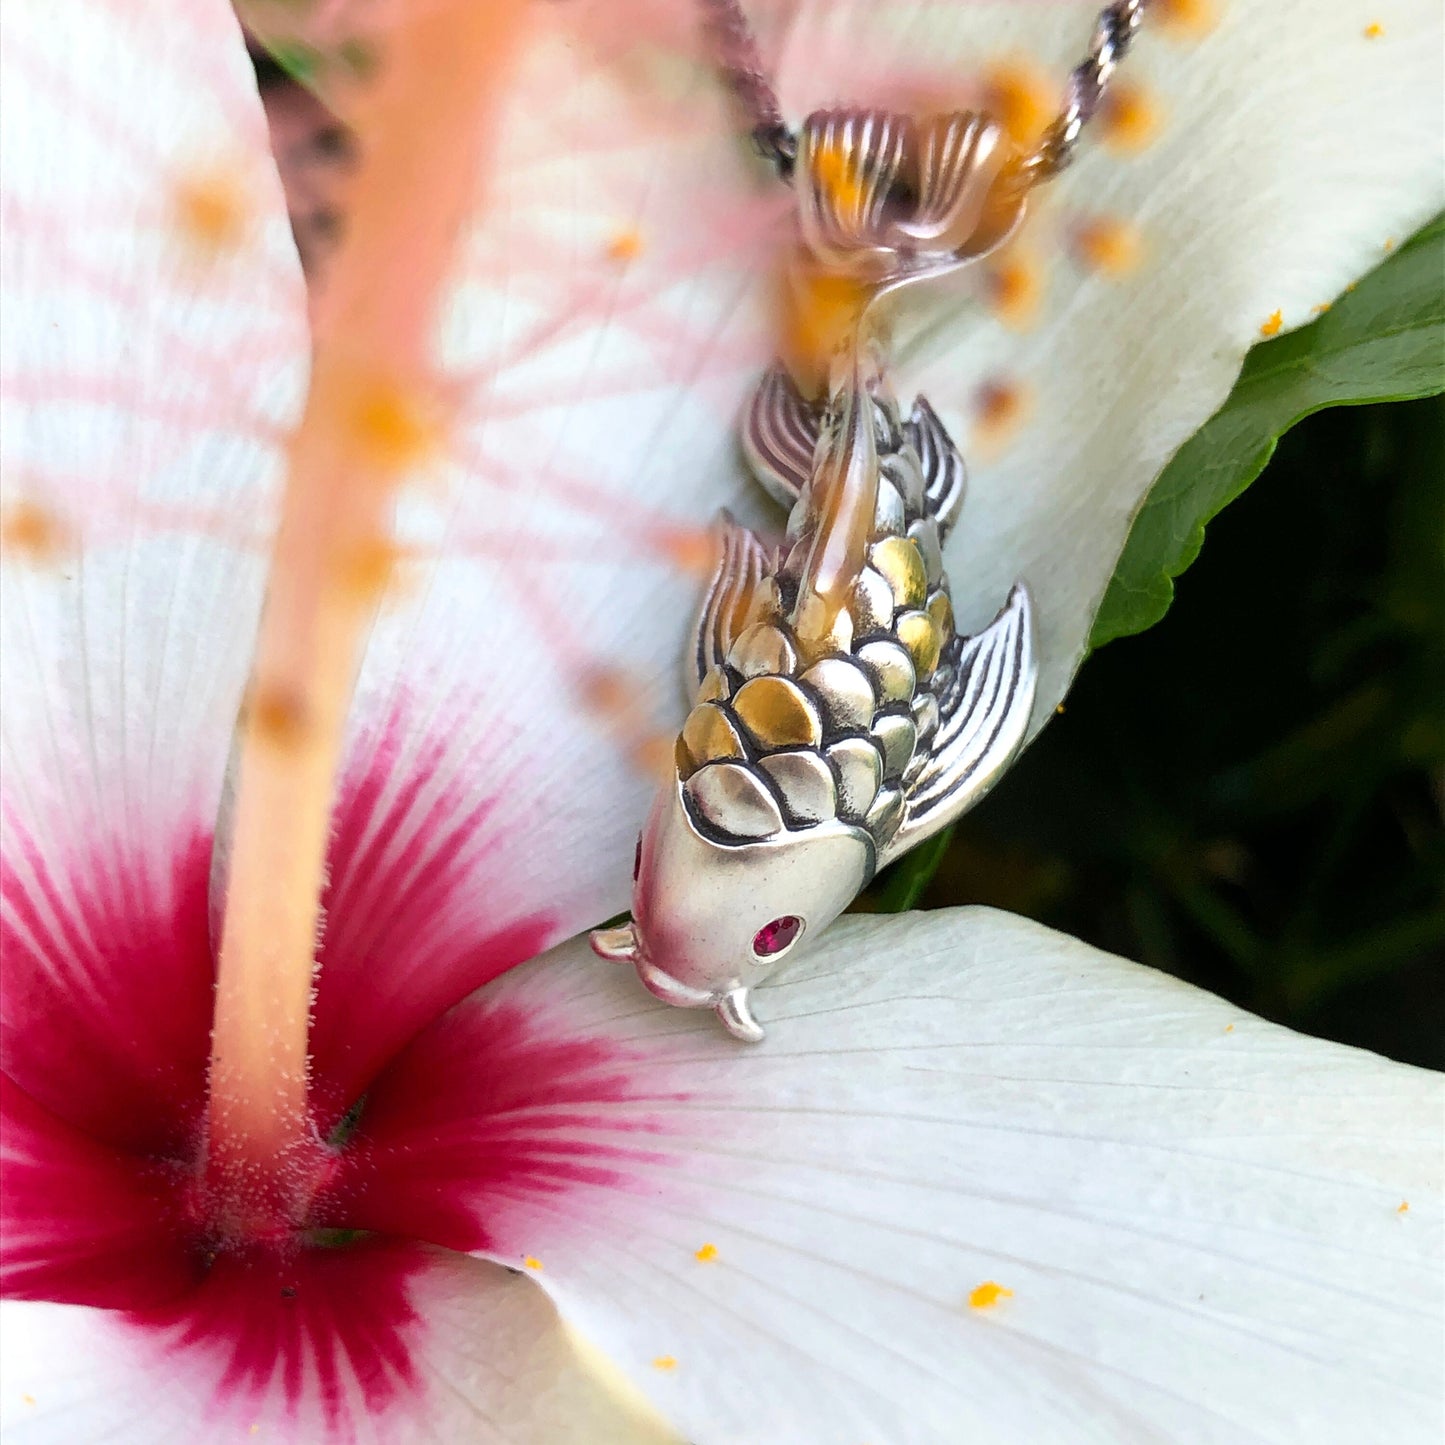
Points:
876	697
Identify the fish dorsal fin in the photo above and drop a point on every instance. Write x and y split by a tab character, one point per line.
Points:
743	562
984	715
780	436
945	477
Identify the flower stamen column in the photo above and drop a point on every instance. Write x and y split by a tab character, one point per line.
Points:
422	130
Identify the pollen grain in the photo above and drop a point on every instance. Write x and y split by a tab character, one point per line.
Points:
665	1362
1014	285
706	1254
1270	326
212	211
33	531
277	718
625	245
1188	19
1106	246
1018	95
986	1295
1129	117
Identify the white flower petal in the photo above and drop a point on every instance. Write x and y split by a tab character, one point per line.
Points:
1201	1217
154	343
482	1358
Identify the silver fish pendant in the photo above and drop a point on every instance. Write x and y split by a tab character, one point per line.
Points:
838	717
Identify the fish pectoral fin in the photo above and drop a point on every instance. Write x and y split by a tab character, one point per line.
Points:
743	562
736	1013
945	476
984	719
780	435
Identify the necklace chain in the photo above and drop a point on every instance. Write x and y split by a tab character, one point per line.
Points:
742	67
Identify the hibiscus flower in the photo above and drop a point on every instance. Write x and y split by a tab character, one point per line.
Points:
981	1182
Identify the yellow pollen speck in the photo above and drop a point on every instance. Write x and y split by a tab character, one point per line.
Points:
396	427
1019	96
988	1294
532	1262
1129	117
369	567
32	531
1390	243
1229	1028
29	1399
625	245
1014	286
277	718
1059	711
820	311
665	1362
706	1254
606	692
654	756
693	549
1404	1207
1000	407
1271	324
211	210
1319	308
1374	30
1187	18
1110	247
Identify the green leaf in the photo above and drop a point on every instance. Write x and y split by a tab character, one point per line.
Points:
1383	340
900	888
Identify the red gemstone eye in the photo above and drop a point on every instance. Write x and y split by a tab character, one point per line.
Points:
772	938
637	859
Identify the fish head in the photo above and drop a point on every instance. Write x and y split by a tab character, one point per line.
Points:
713	917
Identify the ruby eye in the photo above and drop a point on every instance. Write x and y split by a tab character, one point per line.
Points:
778	936
637	859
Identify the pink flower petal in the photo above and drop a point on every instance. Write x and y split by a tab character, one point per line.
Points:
375	1344
105	997
85	1223
416	916
496	1120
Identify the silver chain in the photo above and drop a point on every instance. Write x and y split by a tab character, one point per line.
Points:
737	56
1114	33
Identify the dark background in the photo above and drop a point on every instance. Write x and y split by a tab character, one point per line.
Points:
1250	794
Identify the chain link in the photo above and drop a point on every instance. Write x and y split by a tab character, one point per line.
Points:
736	52
1114	32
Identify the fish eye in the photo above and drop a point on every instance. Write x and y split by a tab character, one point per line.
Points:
778	936
637	859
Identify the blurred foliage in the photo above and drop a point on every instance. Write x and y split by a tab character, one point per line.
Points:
1250	795
1383	340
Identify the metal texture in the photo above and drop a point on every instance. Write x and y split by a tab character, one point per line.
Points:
1114	32
838	717
736	54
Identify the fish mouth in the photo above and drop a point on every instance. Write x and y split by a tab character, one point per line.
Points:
624	944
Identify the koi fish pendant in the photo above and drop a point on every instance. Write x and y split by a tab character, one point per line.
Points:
839	718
